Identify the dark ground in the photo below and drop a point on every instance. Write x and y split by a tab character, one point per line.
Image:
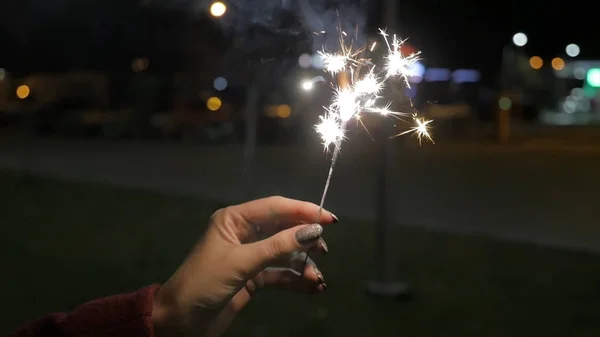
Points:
64	243
538	191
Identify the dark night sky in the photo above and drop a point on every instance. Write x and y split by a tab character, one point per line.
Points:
471	33
453	33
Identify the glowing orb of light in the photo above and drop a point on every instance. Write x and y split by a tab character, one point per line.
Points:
213	103
217	9
307	85
23	91
220	83
520	39
573	50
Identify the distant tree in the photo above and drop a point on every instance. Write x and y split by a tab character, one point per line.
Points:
271	35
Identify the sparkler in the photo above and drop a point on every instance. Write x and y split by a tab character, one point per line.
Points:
359	83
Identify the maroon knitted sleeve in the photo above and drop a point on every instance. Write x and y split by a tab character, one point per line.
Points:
120	315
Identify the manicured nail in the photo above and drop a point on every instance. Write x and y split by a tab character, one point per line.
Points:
319	275
335	218
323	245
309	233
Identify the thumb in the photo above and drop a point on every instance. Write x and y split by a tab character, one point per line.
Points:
261	253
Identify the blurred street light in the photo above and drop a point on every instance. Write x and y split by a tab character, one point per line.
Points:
573	50
23	91
520	39
593	77
307	85
505	103
558	63
284	111
220	83
218	9
139	64
536	62
213	103
305	60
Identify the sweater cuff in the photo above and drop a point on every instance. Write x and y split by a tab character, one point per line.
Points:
121	315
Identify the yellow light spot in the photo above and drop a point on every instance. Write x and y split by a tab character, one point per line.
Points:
284	111
536	62
23	91
213	103
558	63
217	9
139	64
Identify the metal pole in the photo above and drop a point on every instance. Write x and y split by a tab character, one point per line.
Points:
507	79
385	284
251	124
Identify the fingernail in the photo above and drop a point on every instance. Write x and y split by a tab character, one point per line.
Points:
335	218
323	245
309	233
319	275
322	287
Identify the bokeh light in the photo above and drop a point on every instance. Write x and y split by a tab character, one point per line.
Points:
579	73
2	74
593	77
220	83
23	91
417	69
140	64
218	9
307	85
317	61
520	39
573	50
284	111
536	62
558	63
305	61
213	103
505	103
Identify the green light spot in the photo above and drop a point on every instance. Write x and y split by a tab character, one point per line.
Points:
593	77
505	103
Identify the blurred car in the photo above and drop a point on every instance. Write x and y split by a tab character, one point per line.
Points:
451	120
72	118
456	110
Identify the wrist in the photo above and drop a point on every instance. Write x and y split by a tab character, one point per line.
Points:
159	318
165	319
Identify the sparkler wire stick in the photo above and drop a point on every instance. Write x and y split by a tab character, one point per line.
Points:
357	92
343	83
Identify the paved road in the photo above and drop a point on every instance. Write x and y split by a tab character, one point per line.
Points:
538	194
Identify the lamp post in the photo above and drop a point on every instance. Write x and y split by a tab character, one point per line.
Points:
509	59
507	81
218	10
385	283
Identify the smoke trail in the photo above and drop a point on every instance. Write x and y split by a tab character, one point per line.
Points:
290	17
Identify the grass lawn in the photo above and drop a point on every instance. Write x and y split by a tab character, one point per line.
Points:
64	243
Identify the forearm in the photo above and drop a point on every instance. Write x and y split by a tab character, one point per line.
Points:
120	315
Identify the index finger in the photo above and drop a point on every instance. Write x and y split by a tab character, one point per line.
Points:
274	214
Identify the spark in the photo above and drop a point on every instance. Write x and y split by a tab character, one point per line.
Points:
334	63
357	91
360	82
396	64
330	130
421	129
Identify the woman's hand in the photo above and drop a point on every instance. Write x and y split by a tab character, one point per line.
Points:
258	244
